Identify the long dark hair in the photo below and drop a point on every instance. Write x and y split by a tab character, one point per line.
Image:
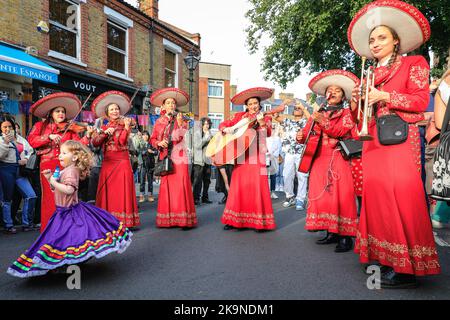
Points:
5	118
49	119
246	101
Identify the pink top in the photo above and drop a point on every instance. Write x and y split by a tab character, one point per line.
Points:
69	176
20	147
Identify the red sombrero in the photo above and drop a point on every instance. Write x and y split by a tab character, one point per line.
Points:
68	101
158	97
258	92
410	24
100	103
344	79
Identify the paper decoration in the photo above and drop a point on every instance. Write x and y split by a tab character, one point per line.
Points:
88	116
143	120
153	118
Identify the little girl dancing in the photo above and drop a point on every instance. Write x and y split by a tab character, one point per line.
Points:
76	231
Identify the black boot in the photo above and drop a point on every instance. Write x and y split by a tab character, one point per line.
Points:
383	269
394	280
206	200
345	244
329	238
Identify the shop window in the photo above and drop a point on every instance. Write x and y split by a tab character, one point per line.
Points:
170	64
64	28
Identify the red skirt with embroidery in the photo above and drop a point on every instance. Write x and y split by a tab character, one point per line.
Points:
357	173
48	206
116	191
331	197
176	206
249	204
394	227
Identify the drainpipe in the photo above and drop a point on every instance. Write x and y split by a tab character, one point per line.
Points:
151	52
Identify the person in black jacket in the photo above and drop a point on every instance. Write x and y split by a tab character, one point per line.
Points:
146	164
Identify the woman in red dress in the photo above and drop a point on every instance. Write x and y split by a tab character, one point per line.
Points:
394	228
249	204
331	196
48	135
116	190
175	200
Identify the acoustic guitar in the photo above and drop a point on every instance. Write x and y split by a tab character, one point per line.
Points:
225	148
310	148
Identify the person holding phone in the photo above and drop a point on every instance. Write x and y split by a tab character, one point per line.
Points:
12	150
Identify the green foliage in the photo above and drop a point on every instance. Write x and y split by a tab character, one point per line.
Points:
312	34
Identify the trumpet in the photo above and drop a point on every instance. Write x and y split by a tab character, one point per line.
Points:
368	109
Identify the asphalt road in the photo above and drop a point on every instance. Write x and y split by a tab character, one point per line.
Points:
211	263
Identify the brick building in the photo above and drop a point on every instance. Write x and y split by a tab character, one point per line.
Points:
89	46
215	92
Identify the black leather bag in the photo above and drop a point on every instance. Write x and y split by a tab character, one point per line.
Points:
391	130
33	162
351	148
164	167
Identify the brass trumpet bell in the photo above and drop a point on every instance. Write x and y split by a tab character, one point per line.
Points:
367	112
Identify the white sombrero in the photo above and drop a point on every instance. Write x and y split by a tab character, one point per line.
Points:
344	79
100	103
258	92
410	24
158	97
68	101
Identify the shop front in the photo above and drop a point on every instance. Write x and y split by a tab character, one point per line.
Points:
18	70
84	84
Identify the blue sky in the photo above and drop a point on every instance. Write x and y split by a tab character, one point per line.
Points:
221	25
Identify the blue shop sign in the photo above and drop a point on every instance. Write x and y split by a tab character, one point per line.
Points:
17	62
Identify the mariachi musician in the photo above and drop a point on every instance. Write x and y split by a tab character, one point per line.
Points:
250	172
176	206
48	135
331	197
394	228
116	190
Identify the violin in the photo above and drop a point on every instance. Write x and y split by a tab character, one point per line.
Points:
121	121
76	127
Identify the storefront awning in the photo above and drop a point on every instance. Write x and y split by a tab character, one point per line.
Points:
17	62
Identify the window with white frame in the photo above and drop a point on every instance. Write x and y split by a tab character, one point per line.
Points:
117	48
172	53
118	28
170	68
216	119
65	35
215	88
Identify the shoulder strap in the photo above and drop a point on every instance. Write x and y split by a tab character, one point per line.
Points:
171	126
446	118
170	138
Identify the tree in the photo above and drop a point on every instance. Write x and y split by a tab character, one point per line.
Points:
313	34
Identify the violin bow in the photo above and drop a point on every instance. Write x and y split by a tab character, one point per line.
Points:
131	101
73	120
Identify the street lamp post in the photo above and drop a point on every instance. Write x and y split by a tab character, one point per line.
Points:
191	62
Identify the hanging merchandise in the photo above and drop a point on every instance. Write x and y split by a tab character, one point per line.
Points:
11	106
25	107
